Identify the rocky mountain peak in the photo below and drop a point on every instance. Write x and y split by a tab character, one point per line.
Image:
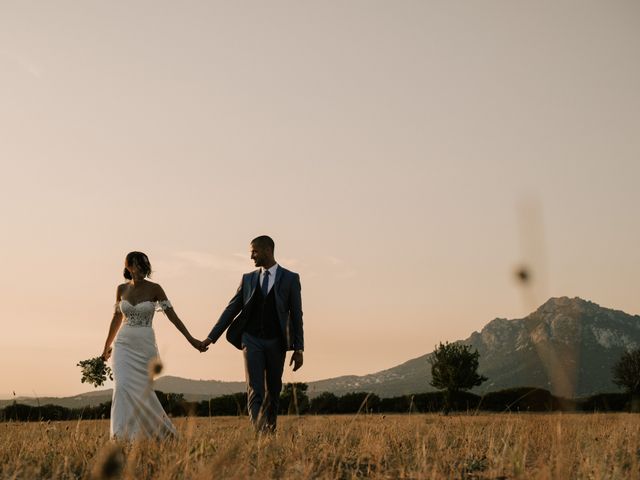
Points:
568	345
567	305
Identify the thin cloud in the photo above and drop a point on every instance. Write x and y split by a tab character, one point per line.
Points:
284	261
347	274
335	260
211	261
289	262
183	262
341	269
23	62
324	266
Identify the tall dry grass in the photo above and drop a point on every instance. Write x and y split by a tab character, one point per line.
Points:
523	446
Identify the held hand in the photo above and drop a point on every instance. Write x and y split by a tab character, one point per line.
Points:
198	345
296	360
204	344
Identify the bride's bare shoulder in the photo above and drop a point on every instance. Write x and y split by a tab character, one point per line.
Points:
158	291
120	290
155	287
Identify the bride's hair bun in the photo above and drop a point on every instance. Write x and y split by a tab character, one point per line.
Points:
140	260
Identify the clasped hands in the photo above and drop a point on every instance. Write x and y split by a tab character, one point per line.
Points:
200	345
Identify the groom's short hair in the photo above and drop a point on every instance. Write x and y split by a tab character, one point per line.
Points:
264	241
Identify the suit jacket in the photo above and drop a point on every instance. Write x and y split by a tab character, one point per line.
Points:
288	306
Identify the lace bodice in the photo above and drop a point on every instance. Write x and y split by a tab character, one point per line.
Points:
141	314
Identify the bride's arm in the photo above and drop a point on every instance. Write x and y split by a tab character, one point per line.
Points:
173	318
116	321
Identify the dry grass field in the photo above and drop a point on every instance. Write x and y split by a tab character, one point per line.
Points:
504	446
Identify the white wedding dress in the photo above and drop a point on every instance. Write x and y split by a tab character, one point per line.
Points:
135	410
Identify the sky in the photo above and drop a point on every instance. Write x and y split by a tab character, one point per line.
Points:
405	156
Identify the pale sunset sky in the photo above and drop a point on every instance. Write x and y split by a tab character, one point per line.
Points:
405	156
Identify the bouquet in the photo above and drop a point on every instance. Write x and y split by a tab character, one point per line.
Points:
95	371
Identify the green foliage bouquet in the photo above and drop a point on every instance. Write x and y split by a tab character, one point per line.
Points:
95	371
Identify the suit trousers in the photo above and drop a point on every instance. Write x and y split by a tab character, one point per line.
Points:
263	364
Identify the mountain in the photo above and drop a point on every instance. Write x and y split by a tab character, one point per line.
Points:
198	389
567	346
77	401
193	390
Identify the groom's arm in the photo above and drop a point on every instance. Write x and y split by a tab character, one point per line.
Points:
295	310
295	315
230	312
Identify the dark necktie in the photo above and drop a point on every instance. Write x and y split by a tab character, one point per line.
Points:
265	283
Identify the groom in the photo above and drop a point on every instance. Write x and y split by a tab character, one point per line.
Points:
264	320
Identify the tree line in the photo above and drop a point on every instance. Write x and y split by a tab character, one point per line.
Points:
509	400
454	372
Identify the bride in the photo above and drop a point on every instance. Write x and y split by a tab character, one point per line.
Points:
135	410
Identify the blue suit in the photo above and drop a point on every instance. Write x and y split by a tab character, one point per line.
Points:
264	357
